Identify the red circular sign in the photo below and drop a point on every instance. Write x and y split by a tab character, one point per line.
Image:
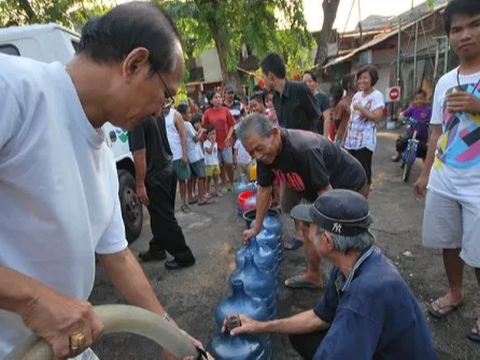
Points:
394	94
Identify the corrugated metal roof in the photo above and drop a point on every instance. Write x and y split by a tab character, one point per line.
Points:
383	37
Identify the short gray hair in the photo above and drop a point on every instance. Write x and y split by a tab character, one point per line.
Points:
359	242
254	123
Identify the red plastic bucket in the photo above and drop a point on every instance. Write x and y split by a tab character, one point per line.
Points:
242	197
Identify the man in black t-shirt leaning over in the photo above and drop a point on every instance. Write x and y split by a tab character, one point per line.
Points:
156	189
296	108
308	164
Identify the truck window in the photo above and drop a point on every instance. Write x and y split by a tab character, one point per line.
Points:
75	45
9	49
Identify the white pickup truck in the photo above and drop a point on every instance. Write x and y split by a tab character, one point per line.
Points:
52	42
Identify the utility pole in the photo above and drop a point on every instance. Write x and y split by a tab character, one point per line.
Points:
415	58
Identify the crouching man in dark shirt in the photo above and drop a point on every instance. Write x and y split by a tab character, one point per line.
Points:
308	164
368	311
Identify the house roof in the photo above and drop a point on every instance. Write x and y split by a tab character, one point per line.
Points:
385	36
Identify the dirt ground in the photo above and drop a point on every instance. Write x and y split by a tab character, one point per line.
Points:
214	234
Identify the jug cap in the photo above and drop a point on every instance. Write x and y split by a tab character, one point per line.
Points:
233	322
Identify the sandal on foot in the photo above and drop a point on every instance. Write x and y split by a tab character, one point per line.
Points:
193	201
295	283
206	202
474	335
437	313
293	244
185	208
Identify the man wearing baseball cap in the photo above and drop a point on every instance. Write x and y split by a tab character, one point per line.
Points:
236	107
367	311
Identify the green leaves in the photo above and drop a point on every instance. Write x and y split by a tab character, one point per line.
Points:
431	3
260	25
70	13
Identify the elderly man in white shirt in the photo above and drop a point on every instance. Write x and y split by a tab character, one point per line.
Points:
58	182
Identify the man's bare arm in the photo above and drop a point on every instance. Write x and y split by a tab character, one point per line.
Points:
16	290
303	323
432	147
129	279
139	158
326	123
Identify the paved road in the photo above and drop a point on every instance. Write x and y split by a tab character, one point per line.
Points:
214	233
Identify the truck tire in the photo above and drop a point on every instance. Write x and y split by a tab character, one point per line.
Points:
132	209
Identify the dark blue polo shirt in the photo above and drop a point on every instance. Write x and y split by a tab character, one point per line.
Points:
373	315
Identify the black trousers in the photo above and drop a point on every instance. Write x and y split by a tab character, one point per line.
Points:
364	156
167	233
402	143
307	344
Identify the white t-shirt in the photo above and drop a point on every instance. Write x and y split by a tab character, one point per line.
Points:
362	133
173	136
58	186
243	156
211	159
194	149
456	171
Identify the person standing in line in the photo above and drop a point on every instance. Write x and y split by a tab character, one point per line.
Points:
451	220
196	159
58	180
156	189
341	115
237	109
271	113
210	148
322	126
296	108
366	112
241	159
221	118
177	139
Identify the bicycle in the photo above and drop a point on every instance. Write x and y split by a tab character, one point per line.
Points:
410	153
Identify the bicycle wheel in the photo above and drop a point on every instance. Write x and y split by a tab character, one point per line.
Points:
408	164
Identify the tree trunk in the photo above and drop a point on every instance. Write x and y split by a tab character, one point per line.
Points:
230	77
25	6
322	39
222	44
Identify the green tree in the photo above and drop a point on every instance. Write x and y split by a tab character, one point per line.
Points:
70	13
260	26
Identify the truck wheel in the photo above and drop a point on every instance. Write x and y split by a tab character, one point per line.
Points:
132	209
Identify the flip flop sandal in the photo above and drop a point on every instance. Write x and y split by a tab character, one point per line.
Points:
440	315
474	336
295	283
293	244
185	208
206	202
193	201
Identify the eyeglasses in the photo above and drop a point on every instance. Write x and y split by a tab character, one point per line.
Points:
169	100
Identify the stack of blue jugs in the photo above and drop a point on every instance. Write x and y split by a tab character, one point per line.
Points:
254	290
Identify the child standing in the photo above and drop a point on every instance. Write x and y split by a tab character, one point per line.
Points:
195	158
421	114
212	162
241	159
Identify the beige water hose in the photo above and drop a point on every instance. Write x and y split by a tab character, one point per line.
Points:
120	318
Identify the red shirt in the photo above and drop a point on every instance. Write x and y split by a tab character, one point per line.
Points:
223	121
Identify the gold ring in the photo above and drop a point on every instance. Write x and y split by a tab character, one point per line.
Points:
77	339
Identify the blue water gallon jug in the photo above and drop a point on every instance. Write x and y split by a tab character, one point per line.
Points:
257	283
241	303
263	256
271	240
242	347
241	186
